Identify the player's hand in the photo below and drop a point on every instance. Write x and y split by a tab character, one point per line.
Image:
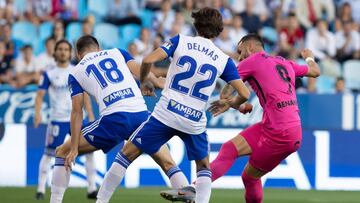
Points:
307	53
37	120
218	107
70	159
159	82
147	88
246	108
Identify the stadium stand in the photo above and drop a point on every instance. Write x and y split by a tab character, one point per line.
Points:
351	74
276	18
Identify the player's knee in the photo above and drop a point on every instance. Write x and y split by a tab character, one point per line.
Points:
166	165
131	151
61	151
203	164
244	177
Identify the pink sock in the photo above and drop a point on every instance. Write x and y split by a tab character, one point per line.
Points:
225	159
253	189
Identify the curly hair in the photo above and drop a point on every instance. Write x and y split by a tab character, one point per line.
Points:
208	22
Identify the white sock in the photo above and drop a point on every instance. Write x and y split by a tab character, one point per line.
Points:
203	186
90	172
113	178
177	178
44	166
60	181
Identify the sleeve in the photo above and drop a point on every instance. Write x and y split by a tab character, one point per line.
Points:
170	47
74	86
44	82
300	70
126	55
230	73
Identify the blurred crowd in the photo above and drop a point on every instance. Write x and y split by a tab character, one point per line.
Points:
330	28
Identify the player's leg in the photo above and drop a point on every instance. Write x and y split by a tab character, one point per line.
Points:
231	150
117	171
203	181
228	154
44	168
90	175
61	176
197	147
168	165
148	138
51	143
266	155
252	181
238	146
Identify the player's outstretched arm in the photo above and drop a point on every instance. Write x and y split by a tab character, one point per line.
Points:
135	70
243	94
147	86
38	103
76	123
313	68
157	55
220	106
226	92
88	107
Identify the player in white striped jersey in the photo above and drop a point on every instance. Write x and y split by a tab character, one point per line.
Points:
196	64
54	81
107	75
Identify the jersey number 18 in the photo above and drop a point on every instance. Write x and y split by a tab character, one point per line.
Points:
109	69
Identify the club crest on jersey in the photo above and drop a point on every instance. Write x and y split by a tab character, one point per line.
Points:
118	95
184	111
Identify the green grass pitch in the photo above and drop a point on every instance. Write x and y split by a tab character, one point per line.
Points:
151	195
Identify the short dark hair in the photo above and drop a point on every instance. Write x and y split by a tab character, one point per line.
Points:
61	42
253	37
208	22
85	42
340	79
321	20
26	46
292	14
49	39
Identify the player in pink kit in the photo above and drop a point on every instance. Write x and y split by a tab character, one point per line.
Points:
279	133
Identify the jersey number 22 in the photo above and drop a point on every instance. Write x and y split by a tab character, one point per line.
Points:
195	91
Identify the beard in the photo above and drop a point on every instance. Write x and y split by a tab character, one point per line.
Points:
63	60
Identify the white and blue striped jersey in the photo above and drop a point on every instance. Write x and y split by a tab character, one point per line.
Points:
196	65
105	76
55	81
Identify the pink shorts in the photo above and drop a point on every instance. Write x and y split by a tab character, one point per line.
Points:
268	148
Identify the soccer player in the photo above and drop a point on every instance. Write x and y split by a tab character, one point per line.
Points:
279	134
55	82
107	76
196	64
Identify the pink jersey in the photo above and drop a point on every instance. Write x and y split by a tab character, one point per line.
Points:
273	80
